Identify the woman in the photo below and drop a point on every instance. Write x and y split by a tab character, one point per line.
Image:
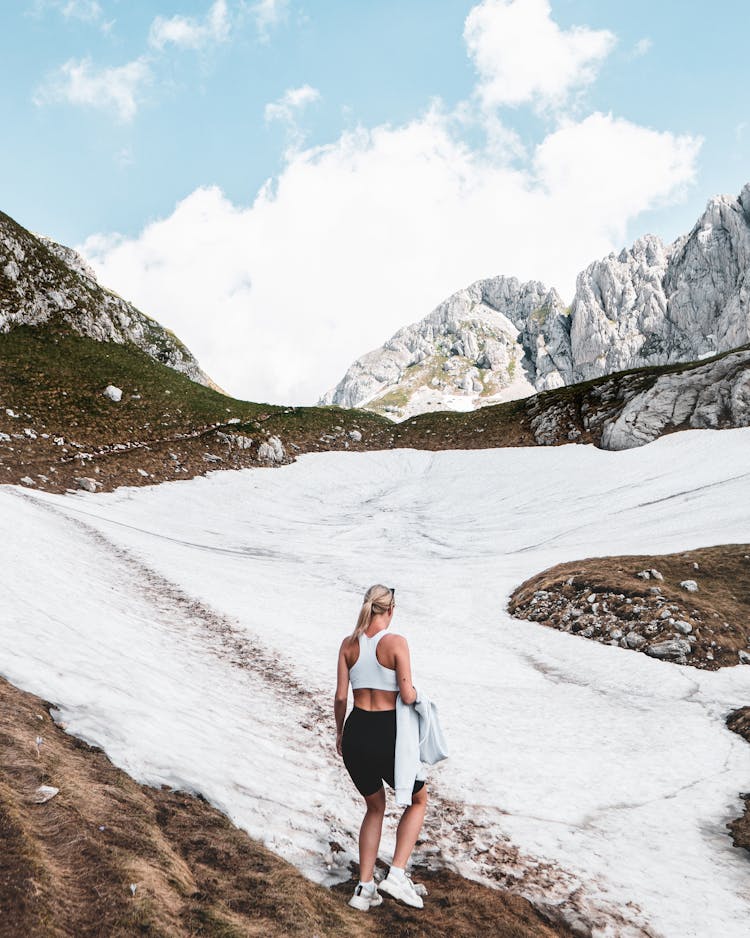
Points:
377	664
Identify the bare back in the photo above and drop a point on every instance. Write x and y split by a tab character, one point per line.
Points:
392	652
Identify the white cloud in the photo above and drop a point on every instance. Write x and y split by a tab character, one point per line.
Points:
642	47
88	10
268	14
357	238
522	55
189	32
293	100
115	90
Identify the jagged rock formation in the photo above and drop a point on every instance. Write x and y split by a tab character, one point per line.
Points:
468	352
633	409
42	282
651	304
654	305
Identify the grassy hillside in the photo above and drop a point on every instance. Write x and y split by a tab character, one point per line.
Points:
57	426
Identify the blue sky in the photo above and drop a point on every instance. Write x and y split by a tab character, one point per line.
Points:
117	111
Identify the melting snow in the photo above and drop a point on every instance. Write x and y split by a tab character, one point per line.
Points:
191	629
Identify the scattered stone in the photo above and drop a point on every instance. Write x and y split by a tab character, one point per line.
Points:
27	480
44	793
272	450
684	627
355	436
696	566
113	393
655	575
88	485
634	640
142	472
210	457
645	575
744	657
690	585
671	650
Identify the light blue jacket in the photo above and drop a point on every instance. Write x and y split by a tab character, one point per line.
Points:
419	739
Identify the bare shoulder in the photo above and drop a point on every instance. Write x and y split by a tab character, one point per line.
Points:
395	641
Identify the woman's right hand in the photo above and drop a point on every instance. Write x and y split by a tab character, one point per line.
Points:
339	738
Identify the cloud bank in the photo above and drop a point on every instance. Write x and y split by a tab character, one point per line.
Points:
354	239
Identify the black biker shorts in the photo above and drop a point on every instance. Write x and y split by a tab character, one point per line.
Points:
369	749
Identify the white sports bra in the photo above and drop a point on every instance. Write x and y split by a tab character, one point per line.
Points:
367	671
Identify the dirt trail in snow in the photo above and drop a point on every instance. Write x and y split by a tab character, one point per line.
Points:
455	835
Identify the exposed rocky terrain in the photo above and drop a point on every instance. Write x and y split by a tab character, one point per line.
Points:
691	608
651	304
467	353
42	282
739	722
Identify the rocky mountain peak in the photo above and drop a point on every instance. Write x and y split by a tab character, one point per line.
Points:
43	283
650	304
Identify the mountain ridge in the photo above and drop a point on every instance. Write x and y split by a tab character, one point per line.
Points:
648	305
46	283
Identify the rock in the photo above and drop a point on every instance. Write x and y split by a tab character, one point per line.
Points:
44	793
113	393
664	614
645	575
690	585
671	650
650	304
744	657
634	640
27	480
355	436
655	575
142	472
684	627
88	485
272	450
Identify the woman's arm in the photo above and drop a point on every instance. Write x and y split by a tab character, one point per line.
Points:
342	695
403	670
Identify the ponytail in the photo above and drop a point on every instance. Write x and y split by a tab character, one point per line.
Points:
378	599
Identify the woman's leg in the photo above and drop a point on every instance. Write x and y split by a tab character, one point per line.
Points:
409	827
369	834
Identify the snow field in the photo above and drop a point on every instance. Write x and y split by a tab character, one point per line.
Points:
609	769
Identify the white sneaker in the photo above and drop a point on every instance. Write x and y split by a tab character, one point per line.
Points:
365	898
401	888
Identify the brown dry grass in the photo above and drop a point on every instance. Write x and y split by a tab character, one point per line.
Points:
719	611
66	866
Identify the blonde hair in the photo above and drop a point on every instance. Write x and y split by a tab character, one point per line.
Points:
378	599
